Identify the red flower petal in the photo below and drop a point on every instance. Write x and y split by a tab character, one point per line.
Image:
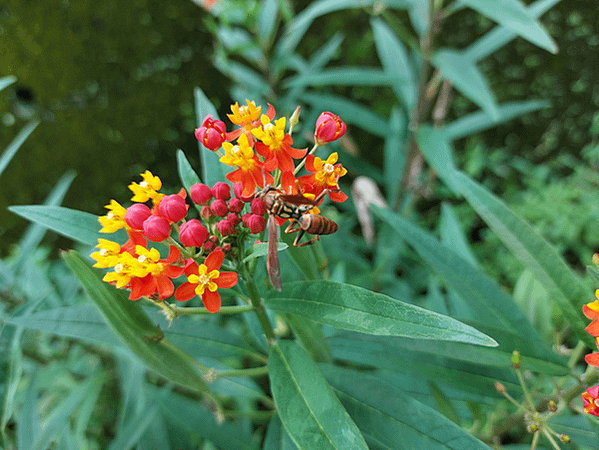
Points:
173	255
310	164
191	267
164	286
226	280
211	301
590	313
593	328
214	260
185	291
592	359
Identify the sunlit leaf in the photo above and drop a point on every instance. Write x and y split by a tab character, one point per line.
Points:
353	308
16	144
306	404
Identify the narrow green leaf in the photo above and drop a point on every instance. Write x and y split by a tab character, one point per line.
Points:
499	36
34	234
276	437
462	375
345	76
309	410
541	360
258	250
267	19
135	329
381	413
212	169
480	120
353	308
12	378
29	419
594	273
187	175
16	144
394	153
77	225
394	59
548	267
350	112
309	334
452	235
488	301
438	152
513	15
462	72
7	81
443	404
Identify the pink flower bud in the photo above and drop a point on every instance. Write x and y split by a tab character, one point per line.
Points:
235	205
200	194
212	133
209	246
219	208
256	223
221	191
136	215
226	247
206	213
156	228
245	218
173	207
234	219
329	127
218	249
192	233
258	207
224	227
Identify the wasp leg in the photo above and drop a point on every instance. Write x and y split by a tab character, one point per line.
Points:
299	236
290	226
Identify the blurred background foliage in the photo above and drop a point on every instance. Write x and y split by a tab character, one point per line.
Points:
113	86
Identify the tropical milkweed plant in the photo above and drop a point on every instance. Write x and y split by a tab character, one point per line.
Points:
278	300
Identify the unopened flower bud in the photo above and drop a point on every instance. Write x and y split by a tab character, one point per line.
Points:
173	207
552	406
500	387
218	249
532	428
235	205
234	219
329	128
136	215
565	438
219	208
221	191
256	223
224	227
156	228
192	233
214	239
516	360
209	246
244	219
226	247
212	133
206	213
258	207
200	193
294	119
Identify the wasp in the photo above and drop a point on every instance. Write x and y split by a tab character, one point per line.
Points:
295	208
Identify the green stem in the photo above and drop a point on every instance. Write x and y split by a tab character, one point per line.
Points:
255	415
253	372
259	309
186	311
303	161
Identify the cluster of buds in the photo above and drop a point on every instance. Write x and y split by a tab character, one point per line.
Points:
197	246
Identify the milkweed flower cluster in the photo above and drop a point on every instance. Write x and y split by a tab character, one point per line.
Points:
590	398
260	149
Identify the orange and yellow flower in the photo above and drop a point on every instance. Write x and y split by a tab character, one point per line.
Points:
324	175
275	147
250	172
590	400
115	218
158	273
147	189
204	280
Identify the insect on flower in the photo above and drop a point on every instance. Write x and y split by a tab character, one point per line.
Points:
295	208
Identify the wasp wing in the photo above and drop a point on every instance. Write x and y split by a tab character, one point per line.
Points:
272	257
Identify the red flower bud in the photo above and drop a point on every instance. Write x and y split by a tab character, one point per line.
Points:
156	228
235	205
256	223
224	227
214	239
329	127
136	215
244	219
258	207
221	191
206	213
200	194
212	133
173	208
226	247
219	208
192	233
209	246
234	219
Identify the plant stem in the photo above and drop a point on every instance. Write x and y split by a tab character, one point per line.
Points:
253	372
259	309
186	311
